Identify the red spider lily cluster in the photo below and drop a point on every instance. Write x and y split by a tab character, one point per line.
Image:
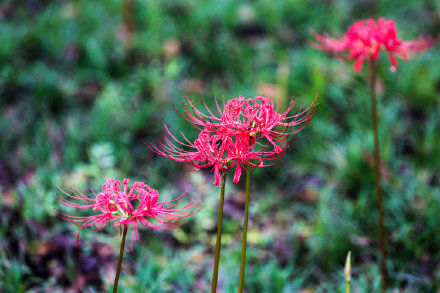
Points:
121	205
246	133
366	38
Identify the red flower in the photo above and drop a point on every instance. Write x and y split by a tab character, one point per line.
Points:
245	134
117	203
365	39
220	152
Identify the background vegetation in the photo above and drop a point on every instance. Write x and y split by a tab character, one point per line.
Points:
80	96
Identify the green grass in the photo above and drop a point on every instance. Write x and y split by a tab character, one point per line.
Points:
78	104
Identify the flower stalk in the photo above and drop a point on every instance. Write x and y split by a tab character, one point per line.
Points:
347	272
121	254
363	42
378	177
120	206
244	134
245	228
218	242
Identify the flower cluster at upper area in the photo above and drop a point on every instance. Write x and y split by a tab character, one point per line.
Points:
366	38
123	205
244	133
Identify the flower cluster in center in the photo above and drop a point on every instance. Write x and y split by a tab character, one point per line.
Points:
245	133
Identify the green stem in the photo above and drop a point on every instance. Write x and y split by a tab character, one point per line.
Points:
218	242
245	228
378	189
347	272
121	254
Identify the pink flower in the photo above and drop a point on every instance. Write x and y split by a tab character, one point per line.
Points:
126	206
365	39
244	134
220	152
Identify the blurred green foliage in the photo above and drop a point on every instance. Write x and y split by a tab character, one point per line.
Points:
79	99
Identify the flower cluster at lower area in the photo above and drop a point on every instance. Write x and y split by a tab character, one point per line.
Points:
366	38
120	204
245	133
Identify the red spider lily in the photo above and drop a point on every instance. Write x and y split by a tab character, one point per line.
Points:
116	203
243	135
210	150
365	39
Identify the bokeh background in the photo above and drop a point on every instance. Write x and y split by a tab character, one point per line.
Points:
85	84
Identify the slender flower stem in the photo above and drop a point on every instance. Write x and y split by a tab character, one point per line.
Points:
378	188
218	242
121	254
245	228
